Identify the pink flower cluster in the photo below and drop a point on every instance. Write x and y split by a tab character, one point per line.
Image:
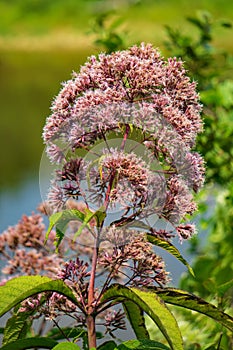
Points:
22	248
128	95
118	80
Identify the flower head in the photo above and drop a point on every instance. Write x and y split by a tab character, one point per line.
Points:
134	116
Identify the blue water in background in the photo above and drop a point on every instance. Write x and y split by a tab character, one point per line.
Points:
13	204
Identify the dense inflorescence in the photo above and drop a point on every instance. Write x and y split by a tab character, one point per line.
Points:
128	95
139	75
22	248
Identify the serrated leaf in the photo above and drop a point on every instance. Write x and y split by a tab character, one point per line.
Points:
20	288
108	345
66	346
189	301
142	345
17	327
136	318
154	306
30	343
170	248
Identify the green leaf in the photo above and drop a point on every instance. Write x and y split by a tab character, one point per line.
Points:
150	303
189	301
170	248
98	214
30	343
223	288
108	345
141	345
136	318
17	327
66	346
20	288
61	220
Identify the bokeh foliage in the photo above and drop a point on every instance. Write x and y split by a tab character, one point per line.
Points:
213	264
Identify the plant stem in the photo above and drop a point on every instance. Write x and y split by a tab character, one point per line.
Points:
91	331
91	296
91	326
127	131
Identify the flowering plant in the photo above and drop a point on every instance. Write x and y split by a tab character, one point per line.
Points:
120	137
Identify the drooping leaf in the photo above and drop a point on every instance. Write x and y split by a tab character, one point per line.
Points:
60	220
98	214
66	346
59	237
20	288
189	301
135	316
170	248
30	343
17	327
141	345
108	345
151	304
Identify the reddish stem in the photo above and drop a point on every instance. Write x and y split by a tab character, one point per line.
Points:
91	296
91	329
127	130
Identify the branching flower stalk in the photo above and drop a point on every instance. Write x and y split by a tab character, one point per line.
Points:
91	293
139	116
120	135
